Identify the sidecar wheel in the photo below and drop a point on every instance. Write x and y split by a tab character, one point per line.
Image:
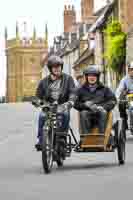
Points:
121	146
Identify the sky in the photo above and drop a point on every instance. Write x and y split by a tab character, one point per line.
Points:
35	13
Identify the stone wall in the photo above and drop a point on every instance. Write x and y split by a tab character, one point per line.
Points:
129	57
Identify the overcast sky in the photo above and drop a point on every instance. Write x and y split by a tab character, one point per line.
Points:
37	12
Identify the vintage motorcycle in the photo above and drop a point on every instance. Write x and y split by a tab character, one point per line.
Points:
56	143
127	103
130	106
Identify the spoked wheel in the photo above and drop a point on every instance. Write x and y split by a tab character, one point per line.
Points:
121	144
47	151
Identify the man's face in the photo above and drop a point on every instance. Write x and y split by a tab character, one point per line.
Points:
130	72
56	71
92	79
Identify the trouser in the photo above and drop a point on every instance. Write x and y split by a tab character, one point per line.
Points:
89	119
63	117
122	110
131	116
123	113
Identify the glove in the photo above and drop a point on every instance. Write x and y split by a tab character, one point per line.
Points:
68	105
88	104
101	109
65	107
94	108
35	103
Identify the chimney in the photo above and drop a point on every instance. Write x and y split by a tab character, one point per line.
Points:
78	34
70	38
84	29
87	9
69	18
92	43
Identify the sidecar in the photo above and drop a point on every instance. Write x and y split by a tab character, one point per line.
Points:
113	138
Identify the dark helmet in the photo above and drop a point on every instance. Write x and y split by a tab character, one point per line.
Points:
54	61
92	70
130	65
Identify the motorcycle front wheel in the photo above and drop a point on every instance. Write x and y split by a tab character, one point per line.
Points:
47	151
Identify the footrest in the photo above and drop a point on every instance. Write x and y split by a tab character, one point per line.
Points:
92	140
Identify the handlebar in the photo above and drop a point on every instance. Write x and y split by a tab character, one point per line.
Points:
123	101
45	106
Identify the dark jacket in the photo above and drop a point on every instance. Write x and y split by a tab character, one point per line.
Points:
66	91
102	96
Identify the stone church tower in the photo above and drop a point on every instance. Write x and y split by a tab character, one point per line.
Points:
23	65
69	18
87	9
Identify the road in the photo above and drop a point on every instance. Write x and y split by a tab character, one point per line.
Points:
84	176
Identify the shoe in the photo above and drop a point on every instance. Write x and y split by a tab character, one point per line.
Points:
77	148
126	125
111	142
38	146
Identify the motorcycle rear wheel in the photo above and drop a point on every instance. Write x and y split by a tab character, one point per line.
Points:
121	147
60	162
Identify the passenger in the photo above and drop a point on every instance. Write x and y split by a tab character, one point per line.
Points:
94	101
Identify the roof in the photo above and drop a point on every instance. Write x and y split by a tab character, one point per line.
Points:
84	56
100	11
102	18
62	44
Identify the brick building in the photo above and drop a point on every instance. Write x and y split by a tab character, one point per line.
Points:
125	13
126	18
69	18
87	11
129	56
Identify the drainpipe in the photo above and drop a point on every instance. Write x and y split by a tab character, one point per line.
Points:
103	60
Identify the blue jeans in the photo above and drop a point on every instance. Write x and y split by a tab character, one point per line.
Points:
64	117
89	119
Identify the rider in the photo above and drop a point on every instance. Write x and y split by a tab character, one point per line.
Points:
57	86
93	101
126	87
